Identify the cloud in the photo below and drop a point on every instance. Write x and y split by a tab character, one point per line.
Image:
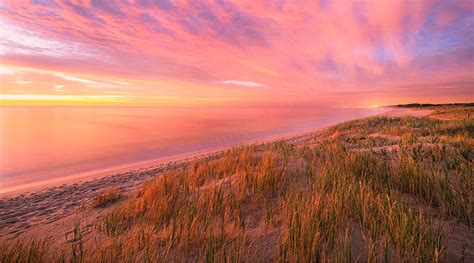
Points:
301	50
91	83
86	12
22	82
59	88
16	40
54	97
109	7
72	78
164	4
6	71
242	83
118	82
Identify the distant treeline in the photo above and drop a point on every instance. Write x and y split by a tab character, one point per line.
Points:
419	105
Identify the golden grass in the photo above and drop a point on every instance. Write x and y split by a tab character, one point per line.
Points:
106	198
30	249
375	189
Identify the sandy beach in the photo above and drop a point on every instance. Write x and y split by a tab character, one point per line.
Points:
23	211
32	211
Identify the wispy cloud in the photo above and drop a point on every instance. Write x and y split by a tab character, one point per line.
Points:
73	78
92	83
242	83
6	71
21	82
118	82
16	40
59	88
55	97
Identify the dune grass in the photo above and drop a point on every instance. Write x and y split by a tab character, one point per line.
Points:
375	189
106	198
29	249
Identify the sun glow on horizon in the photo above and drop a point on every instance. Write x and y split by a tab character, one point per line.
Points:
54	99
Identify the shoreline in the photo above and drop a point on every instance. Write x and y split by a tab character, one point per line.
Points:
163	162
169	161
144	166
21	212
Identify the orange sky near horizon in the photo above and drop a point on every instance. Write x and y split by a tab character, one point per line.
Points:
235	53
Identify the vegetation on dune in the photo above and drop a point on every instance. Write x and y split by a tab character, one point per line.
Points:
105	198
31	249
375	189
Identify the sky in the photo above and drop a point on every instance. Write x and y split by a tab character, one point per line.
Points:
237	53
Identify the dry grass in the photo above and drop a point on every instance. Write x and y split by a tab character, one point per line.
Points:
376	189
106	198
31	249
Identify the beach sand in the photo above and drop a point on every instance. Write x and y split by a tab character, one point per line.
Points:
51	210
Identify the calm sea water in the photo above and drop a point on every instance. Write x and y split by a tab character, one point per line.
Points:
39	145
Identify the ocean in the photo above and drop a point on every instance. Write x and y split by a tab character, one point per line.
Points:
46	145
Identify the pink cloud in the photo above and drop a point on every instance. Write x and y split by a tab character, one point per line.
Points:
299	49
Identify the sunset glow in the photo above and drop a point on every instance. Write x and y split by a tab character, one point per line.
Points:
236	131
186	53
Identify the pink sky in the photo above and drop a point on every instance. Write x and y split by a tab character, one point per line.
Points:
144	52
